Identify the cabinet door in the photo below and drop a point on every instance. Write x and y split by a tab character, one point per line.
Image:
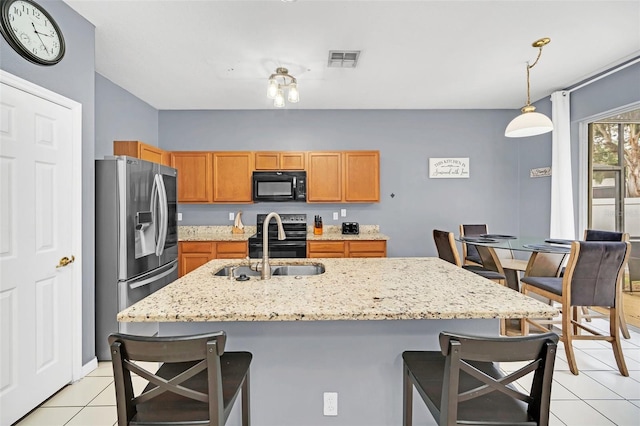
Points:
367	248
231	249
362	176
194	176
317	249
140	150
324	177
152	154
193	254
232	177
267	161
292	160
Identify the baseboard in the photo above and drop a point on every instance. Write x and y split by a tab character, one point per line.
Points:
89	366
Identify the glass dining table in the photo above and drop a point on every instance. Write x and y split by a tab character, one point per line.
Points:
543	256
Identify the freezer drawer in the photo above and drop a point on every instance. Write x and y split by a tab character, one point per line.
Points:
112	299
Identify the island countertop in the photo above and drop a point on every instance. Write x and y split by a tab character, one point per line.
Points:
349	289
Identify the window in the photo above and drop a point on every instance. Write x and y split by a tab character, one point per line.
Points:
614	173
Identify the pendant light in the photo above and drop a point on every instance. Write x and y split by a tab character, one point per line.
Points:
530	123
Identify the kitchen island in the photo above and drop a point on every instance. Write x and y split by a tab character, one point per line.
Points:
342	331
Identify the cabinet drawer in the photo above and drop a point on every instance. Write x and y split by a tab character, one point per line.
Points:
319	254
367	246
231	247
196	246
326	246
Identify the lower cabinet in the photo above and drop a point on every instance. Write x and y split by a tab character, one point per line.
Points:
362	248
193	254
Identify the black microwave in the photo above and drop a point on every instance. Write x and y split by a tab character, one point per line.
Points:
279	186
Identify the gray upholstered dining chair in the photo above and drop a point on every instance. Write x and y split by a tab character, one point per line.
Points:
446	247
592	278
470	255
462	384
197	383
599	235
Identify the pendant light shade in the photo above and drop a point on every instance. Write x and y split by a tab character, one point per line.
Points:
530	123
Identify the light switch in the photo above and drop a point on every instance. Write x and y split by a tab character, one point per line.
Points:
179	216
335	215
343	212
231	217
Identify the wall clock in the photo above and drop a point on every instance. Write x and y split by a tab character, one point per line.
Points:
31	31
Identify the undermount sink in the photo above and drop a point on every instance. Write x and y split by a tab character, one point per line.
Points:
280	270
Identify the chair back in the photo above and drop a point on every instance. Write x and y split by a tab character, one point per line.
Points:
464	355
490	259
594	272
446	246
470	231
598	235
542	264
190	354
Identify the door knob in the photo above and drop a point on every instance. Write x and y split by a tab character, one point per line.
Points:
65	261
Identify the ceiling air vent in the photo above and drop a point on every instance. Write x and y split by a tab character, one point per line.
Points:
343	58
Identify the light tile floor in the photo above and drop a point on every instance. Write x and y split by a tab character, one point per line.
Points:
598	396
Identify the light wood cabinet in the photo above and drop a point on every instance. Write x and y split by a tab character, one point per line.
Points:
361	176
324	177
193	254
195	184
142	151
285	160
361	248
373	248
343	177
232	249
232	177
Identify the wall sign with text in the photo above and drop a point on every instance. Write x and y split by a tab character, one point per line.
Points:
449	168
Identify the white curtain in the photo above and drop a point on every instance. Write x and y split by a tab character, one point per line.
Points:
562	216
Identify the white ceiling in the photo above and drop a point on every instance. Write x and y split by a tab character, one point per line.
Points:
415	54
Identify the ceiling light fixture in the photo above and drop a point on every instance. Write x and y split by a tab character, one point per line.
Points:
279	81
530	123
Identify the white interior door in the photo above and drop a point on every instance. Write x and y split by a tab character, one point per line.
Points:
36	231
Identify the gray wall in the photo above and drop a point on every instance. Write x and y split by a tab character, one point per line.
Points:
121	116
73	77
406	140
618	90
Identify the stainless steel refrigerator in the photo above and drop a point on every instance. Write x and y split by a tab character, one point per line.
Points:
136	240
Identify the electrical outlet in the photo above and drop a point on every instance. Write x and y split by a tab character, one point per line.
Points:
179	217
330	404
335	215
231	217
343	212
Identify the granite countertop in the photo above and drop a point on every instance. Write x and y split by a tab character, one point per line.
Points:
213	233
223	233
332	232
350	289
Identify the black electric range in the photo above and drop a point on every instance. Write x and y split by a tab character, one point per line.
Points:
294	246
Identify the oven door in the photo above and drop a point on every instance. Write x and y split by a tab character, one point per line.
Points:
280	249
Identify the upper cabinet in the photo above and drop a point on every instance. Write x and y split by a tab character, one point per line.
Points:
195	184
285	160
141	150
232	176
345	176
324	177
361	176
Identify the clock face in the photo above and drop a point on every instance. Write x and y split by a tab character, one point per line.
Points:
32	32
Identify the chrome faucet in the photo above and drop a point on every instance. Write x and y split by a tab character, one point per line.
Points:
264	267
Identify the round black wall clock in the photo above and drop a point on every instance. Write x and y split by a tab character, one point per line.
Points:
31	31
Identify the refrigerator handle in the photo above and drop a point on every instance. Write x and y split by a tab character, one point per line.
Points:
154	278
163	216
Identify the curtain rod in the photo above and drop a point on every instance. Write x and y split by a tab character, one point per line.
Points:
603	74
